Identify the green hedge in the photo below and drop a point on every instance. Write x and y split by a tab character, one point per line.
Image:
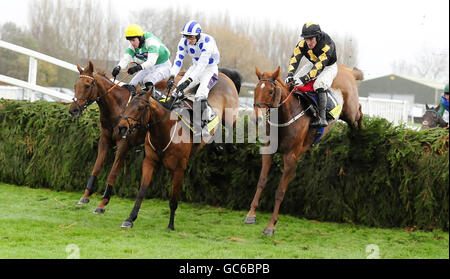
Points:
382	176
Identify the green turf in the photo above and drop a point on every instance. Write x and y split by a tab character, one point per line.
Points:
38	223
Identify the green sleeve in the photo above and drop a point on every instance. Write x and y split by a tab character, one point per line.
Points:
441	109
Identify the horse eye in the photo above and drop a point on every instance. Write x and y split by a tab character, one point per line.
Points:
87	86
140	108
271	92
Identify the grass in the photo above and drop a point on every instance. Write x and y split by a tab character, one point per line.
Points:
38	223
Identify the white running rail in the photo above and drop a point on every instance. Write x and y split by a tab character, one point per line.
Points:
395	111
32	72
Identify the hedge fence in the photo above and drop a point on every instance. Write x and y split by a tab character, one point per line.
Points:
383	175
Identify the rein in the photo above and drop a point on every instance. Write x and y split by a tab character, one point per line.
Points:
266	116
89	102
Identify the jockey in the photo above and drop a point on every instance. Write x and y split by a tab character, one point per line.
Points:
320	50
151	56
443	105
204	71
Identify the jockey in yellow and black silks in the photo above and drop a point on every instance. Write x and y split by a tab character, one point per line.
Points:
320	50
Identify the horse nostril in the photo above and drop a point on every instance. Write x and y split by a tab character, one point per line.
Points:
75	112
122	130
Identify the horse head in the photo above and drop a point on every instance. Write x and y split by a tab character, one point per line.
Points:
431	118
268	92
86	91
136	114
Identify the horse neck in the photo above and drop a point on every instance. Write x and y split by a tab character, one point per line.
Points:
158	115
110	104
290	107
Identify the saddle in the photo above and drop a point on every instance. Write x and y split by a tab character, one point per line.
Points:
308	97
184	108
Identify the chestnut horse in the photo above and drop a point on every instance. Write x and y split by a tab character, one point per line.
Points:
167	143
96	87
297	137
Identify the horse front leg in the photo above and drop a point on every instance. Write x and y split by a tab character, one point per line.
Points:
177	182
266	164
102	151
148	166
289	168
122	149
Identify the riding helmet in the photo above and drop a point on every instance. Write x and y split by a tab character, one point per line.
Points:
310	30
135	31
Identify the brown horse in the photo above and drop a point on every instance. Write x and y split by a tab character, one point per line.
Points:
432	118
95	87
167	143
296	137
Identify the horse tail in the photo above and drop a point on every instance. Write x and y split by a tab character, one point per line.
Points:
357	73
234	75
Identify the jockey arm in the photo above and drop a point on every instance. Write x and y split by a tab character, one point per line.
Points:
201	64
179	57
295	58
126	58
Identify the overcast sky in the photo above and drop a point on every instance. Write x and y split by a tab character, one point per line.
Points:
386	30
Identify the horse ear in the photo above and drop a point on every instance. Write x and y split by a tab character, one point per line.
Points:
90	67
276	74
258	73
79	69
426	106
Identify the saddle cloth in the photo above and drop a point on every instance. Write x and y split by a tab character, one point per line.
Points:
184	109
308	97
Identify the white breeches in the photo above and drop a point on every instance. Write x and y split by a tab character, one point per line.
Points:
323	80
153	74
207	80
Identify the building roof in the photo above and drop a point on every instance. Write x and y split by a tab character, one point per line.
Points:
423	81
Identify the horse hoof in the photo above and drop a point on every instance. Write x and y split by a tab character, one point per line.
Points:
268	231
83	201
127	225
99	211
172	228
250	220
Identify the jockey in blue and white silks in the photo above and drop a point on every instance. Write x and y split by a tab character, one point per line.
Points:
204	71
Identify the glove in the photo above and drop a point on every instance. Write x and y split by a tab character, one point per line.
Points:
134	69
289	79
181	87
170	82
115	71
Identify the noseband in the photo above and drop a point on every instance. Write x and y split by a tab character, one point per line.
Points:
139	121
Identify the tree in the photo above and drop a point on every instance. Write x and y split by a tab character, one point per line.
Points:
430	63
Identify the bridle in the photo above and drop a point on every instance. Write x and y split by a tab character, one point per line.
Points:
88	101
276	89
139	120
270	106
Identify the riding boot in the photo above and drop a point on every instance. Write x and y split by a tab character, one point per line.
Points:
321	121
131	88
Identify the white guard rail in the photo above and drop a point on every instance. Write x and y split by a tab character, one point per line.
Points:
32	72
395	111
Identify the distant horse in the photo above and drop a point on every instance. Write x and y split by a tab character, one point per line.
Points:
95	87
296	137
432	118
165	142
